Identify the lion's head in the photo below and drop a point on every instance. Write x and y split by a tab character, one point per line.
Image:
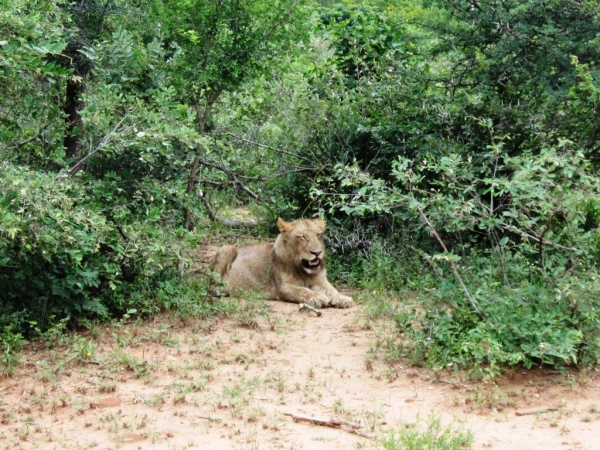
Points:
300	244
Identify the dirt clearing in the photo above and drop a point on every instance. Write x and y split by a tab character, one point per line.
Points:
213	384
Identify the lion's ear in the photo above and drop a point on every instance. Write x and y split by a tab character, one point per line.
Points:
283	225
319	222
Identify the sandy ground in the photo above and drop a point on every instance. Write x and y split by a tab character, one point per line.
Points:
169	384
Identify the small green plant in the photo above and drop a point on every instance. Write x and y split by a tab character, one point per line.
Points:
434	437
249	311
51	335
339	408
370	359
85	349
140	368
277	379
10	345
105	386
153	401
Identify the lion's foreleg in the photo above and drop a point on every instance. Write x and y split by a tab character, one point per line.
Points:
335	298
298	294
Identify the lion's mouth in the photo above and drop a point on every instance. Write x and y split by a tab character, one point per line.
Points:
312	264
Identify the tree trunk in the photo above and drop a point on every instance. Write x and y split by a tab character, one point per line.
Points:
202	120
73	105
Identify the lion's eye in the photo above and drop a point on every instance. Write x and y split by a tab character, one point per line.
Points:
301	236
320	235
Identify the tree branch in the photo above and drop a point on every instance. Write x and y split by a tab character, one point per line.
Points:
452	265
351	427
233	176
541	242
530	236
211	212
258	144
78	165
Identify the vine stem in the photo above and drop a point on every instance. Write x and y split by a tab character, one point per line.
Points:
541	242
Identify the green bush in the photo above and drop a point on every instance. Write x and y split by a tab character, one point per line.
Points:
389	265
516	275
60	257
527	325
10	347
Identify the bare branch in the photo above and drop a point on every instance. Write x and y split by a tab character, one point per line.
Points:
209	208
532	237
572	268
452	265
541	241
77	166
233	176
535	411
351	427
278	150
288	172
26	141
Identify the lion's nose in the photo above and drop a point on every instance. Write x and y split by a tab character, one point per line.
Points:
316	253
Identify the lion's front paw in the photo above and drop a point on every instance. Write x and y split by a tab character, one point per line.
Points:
319	300
342	301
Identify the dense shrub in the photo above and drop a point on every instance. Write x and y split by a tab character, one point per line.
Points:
515	278
61	258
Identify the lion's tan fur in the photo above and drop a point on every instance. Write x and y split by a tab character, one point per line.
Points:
290	269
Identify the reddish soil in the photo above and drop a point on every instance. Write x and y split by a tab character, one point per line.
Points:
216	385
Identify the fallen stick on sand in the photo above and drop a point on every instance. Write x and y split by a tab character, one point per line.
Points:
332	423
535	411
304	306
212	419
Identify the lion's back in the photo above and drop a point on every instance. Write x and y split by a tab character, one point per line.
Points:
252	269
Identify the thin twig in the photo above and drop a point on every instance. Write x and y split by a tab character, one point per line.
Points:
333	422
452	265
26	141
541	242
275	149
313	420
211	213
351	427
535	411
527	235
573	265
77	166
233	176
212	419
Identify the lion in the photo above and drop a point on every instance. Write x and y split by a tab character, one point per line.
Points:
291	269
